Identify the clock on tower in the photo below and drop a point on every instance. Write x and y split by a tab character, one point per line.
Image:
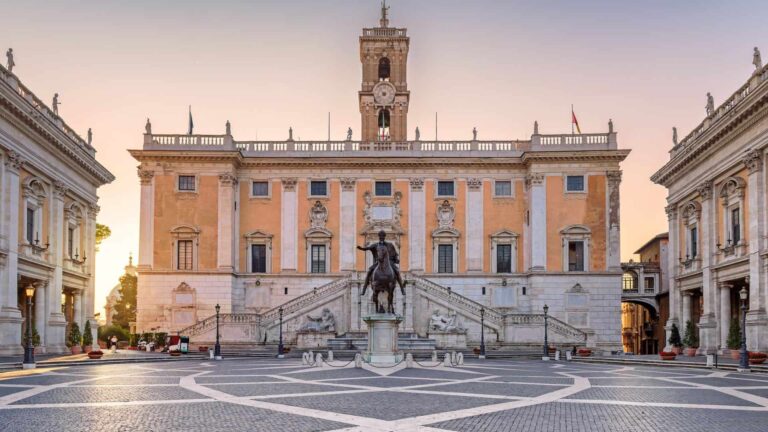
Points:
384	94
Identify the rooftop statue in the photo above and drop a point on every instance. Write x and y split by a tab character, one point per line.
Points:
349	134
90	136
11	63
228	128
418	134
535	127
474	134
290	133
757	60
674	135
148	127
55	104
710	104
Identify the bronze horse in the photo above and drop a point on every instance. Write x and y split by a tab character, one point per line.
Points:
383	280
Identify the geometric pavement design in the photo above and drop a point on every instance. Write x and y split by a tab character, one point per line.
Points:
284	395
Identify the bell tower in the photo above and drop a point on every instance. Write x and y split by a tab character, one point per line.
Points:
384	94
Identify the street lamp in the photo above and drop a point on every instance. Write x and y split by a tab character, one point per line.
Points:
546	324
217	347
744	356
280	341
29	348
482	334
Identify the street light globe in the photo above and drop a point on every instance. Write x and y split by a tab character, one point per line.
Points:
743	293
546	308
30	291
218	308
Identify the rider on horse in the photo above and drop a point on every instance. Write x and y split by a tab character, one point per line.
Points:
393	258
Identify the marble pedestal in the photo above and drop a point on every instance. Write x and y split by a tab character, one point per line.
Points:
449	340
382	339
313	339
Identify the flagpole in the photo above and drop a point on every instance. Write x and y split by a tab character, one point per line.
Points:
571	119
435	125
329	125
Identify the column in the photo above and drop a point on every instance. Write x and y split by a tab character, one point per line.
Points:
40	300
288	226
10	316
347	225
757	319
89	299
538	221
672	257
56	323
614	225
686	311
417	234
226	222
77	301
146	224
725	313
474	225
707	322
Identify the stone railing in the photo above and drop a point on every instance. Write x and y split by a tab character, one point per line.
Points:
313	297
227	318
600	141
195	142
457	300
553	324
40	110
384	32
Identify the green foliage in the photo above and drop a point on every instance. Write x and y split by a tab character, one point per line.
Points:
691	339
106	332
87	336
674	337
35	337
160	338
134	340
102	233
75	338
734	335
125	308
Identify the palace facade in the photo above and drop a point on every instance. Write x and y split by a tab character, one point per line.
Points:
487	231
717	219
48	208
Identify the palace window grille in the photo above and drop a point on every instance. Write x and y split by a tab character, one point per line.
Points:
259	258
504	258
445	258
575	183
318	259
503	188
71	241
30	225
444	188
694	242
576	256
736	225
383	188
318	188
186	183
184	254
260	189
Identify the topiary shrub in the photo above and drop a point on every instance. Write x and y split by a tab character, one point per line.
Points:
87	336
75	338
691	339
674	337
734	335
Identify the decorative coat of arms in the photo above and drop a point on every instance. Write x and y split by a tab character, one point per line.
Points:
445	215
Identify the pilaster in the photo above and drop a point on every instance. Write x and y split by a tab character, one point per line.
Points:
614	224
10	315
757	319
707	322
40	300
146	219
289	226
725	312
226	222
674	289
537	220
56	324
416	225
474	225
347	224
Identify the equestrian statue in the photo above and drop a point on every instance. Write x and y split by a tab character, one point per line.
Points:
384	273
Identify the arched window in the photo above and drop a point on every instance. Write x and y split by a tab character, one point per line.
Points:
384	125
629	281
383	69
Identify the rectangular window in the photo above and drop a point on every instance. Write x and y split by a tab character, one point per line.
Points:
383	188
576	256
504	258
694	242
30	226
650	283
184	255
736	225
445	188
445	258
503	188
259	258
186	183
318	259
71	241
260	189
318	188
575	183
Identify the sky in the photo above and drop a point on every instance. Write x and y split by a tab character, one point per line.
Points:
269	65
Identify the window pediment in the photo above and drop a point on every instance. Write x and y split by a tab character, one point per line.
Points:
258	235
445	232
185	229
576	231
733	187
34	188
318	233
505	234
692	210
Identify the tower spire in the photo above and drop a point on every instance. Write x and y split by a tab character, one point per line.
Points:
384	21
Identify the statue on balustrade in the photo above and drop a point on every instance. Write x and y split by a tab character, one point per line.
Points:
148	127
710	104
474	134
228	128
674	136
90	136
55	104
11	63
418	134
757	60
349	134
384	272
326	322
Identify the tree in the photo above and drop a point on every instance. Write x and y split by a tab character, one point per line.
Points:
87	336
691	339
75	338
102	233
734	335
674	337
125	308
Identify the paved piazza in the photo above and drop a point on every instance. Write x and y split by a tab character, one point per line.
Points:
272	395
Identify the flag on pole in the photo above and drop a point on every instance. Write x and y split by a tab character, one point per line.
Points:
574	122
191	123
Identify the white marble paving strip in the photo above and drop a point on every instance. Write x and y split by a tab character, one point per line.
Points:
105	404
15	397
663	404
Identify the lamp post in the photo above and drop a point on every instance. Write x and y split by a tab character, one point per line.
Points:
744	356
546	325
29	348
280	341
482	334
217	347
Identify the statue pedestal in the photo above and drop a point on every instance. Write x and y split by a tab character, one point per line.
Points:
449	340
313	339
382	339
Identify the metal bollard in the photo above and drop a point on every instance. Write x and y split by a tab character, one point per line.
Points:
409	361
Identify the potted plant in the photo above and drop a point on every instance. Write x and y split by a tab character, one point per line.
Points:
674	340
74	339
551	349
756	358
174	353
476	351
667	355
691	340
87	337
584	352
95	355
734	339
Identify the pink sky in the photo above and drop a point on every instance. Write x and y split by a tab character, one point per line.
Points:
268	65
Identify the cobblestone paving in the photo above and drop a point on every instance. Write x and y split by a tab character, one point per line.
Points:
283	395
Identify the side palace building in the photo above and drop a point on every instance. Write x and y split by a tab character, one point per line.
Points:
497	229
